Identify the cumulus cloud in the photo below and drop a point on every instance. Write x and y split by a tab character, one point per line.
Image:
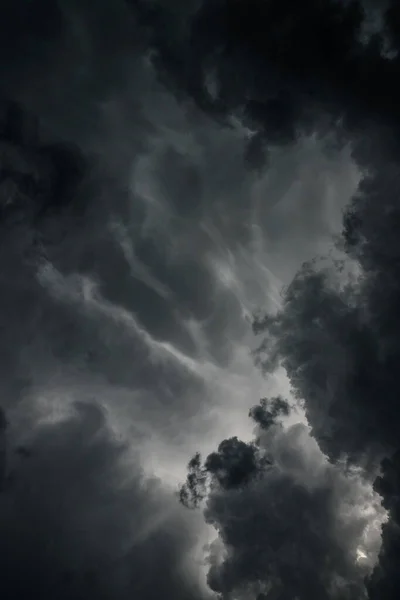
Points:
290	523
338	339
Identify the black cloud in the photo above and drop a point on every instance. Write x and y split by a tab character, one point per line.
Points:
287	70
284	69
338	340
384	582
36	178
78	517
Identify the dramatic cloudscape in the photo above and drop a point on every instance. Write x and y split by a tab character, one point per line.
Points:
199	291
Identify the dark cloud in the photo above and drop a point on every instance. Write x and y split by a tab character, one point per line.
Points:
317	337
37	178
38	185
28	31
51	207
83	519
110	252
78	517
337	338
285	71
274	63
385	582
281	513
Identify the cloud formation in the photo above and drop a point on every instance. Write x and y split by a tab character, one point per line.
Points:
78	516
291	524
131	257
335	334
283	68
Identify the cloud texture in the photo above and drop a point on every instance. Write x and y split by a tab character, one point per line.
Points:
165	171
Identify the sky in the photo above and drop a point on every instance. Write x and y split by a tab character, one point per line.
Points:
199	281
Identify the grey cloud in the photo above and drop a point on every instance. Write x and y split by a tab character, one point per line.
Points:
286	70
289	522
63	58
181	185
339	342
79	517
384	582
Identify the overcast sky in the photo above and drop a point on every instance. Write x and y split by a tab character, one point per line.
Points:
169	171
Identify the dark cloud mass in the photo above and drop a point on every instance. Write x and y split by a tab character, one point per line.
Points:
335	336
78	517
165	170
283	68
281	515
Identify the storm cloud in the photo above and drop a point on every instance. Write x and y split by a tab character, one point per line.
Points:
290	524
165	173
335	334
79	517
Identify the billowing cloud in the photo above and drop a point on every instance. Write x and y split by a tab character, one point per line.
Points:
337	335
285	70
290	524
